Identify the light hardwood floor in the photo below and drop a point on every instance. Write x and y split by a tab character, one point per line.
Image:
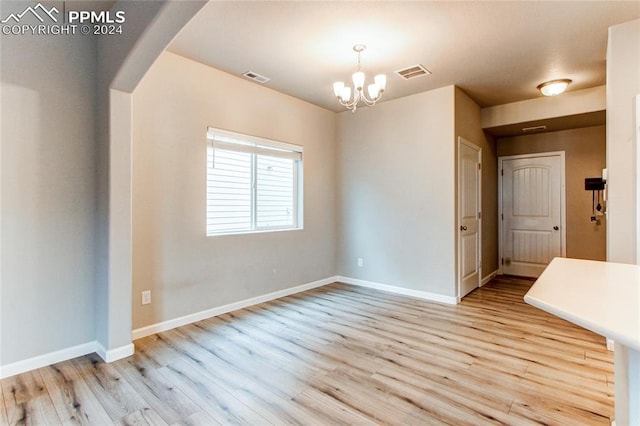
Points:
339	355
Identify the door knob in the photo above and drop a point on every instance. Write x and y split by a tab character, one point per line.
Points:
463	228
555	228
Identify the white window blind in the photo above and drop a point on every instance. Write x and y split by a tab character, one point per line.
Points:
252	184
275	192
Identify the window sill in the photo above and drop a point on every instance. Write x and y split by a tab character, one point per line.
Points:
262	231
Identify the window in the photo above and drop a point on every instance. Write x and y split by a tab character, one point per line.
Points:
253	184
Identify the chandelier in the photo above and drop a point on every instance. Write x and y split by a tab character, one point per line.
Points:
343	93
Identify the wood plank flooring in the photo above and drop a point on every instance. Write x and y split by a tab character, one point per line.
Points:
339	355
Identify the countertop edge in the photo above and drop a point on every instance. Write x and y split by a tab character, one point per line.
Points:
582	322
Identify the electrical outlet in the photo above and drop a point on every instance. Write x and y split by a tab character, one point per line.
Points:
146	297
360	262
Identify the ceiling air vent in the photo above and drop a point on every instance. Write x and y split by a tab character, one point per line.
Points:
413	71
534	129
256	77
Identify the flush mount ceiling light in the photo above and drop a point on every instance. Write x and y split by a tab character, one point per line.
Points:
554	87
343	93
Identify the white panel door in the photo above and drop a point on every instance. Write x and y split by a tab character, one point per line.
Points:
531	214
469	202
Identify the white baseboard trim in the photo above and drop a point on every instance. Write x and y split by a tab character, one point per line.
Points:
432	297
128	350
65	355
208	313
114	354
46	359
489	277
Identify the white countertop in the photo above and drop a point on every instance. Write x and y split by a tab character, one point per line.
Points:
603	297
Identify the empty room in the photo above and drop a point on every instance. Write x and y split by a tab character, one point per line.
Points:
310	212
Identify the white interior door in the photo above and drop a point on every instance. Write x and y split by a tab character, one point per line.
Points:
532	213
469	203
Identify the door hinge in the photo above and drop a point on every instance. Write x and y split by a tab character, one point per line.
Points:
501	172
479	166
502	261
501	216
479	215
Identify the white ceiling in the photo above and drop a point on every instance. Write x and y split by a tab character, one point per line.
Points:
496	51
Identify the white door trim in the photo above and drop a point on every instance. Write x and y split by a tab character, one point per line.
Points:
463	141
637	145
563	201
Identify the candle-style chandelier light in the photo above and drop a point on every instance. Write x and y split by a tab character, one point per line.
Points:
375	89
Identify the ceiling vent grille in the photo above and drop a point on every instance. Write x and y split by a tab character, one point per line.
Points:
534	129
256	77
413	71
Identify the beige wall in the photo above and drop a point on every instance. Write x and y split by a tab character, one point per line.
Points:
396	174
121	63
623	84
48	194
467	125
584	157
187	271
571	103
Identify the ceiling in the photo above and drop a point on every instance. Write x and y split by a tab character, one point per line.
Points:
496	51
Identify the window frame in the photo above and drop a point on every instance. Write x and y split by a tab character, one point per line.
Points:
257	146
